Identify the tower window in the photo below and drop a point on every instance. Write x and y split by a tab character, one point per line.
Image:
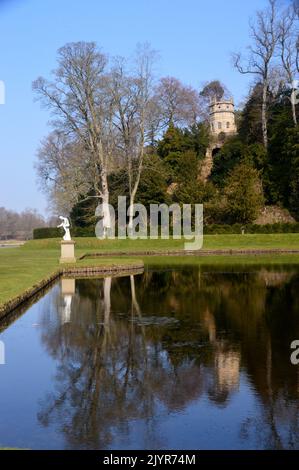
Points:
227	125
219	125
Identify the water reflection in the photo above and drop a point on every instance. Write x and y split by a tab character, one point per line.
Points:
132	351
68	287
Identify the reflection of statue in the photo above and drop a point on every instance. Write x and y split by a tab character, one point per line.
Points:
66	309
65	224
68	287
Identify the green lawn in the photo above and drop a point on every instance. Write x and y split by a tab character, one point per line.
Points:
220	261
21	268
255	241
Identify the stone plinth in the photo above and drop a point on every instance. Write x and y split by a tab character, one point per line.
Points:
67	251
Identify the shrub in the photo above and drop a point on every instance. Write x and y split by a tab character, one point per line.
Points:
47	232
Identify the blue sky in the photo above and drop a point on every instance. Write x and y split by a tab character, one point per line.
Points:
194	39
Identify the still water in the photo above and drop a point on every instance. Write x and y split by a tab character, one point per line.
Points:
174	358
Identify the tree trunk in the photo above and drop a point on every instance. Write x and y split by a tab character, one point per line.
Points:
264	114
293	102
131	212
133	193
105	202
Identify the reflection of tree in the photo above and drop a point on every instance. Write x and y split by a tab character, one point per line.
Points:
66	308
250	319
107	375
113	369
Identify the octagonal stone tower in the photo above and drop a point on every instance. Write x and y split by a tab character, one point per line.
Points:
223	124
222	117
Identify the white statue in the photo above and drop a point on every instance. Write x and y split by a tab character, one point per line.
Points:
66	225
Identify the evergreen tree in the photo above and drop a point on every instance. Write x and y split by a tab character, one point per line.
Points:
177	146
291	154
225	160
250	123
278	169
153	184
244	194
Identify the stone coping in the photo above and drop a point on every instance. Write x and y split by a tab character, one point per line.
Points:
227	251
74	271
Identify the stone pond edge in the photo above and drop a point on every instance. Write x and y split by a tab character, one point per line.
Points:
10	305
204	252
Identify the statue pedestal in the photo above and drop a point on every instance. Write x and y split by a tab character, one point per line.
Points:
67	251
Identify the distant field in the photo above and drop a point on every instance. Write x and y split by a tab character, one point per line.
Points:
11	243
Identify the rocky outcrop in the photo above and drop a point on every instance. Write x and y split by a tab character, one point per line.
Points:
274	215
206	167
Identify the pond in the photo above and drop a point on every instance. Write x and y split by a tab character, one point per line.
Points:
191	357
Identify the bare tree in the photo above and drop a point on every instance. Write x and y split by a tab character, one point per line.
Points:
214	90
14	225
288	51
77	98
133	119
63	171
179	104
265	36
211	91
296	13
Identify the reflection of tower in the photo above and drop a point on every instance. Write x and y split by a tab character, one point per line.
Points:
227	364
68	287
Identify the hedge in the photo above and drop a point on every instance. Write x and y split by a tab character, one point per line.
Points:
53	232
213	229
47	232
251	228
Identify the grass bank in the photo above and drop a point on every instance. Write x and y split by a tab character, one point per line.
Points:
211	242
240	262
24	267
